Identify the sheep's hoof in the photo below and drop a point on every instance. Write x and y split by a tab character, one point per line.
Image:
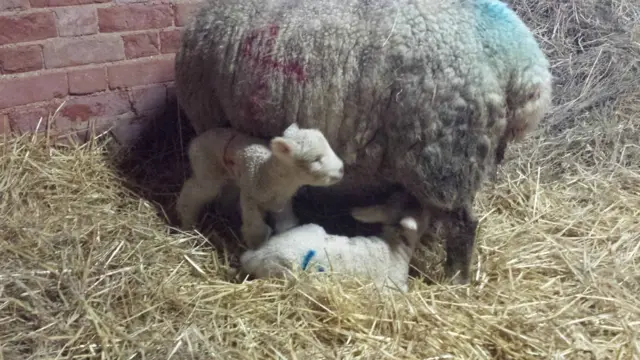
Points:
458	278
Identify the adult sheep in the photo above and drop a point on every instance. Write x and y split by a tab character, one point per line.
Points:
422	93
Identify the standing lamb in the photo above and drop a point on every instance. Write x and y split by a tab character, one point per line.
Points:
384	260
422	93
268	174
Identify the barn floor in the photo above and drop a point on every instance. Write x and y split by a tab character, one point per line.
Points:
90	269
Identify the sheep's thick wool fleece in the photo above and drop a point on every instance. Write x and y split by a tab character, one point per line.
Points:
420	92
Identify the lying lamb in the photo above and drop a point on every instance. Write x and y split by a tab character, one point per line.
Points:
427	94
384	260
268	174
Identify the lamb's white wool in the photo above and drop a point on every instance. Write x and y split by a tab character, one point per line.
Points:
383	260
268	174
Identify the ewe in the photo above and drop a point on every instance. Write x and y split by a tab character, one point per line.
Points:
422	93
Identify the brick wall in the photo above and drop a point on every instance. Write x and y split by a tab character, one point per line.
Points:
110	60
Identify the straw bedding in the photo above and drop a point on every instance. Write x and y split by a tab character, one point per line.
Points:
89	269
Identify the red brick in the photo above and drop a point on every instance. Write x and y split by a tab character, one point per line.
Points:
75	21
84	108
128	130
85	50
14	5
184	12
170	41
141	72
21	59
87	81
51	3
140	45
32	117
32	88
29	27
149	98
29	119
86	114
134	17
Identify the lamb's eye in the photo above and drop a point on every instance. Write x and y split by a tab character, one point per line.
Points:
318	159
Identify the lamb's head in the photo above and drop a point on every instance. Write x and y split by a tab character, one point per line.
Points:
403	220
310	156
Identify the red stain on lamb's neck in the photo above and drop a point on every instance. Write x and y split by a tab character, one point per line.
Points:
264	63
227	158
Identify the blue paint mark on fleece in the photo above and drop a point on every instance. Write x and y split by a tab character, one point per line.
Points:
307	258
501	30
495	11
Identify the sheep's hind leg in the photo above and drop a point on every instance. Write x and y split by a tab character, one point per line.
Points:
254	230
459	244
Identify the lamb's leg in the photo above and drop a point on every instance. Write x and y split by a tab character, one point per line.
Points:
254	230
195	194
203	186
285	219
461	226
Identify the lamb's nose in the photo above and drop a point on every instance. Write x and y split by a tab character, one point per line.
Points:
339	175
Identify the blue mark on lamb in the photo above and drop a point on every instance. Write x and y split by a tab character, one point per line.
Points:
307	258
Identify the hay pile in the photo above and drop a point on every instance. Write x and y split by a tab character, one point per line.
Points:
89	270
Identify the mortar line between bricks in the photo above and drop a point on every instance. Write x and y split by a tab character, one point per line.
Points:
142	59
31	10
33	73
111	3
86	66
83	37
19	13
69	97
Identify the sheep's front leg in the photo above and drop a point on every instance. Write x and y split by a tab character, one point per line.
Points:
459	242
284	219
254	230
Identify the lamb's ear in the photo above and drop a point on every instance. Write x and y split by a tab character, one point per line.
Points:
291	129
370	214
409	223
281	147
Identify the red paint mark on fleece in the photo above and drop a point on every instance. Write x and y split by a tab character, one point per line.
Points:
263	62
